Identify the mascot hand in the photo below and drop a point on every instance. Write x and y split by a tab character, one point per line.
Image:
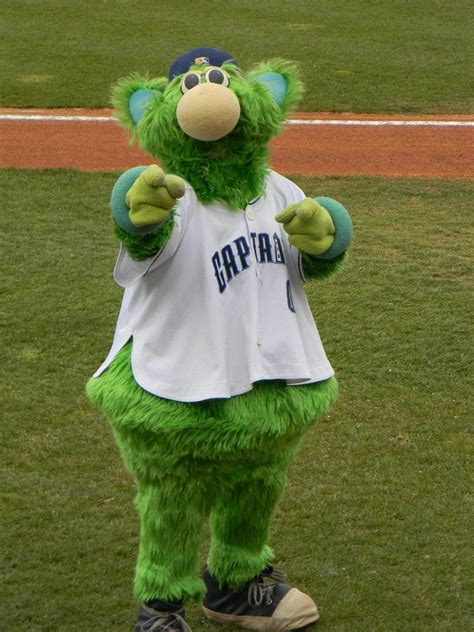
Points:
152	196
309	226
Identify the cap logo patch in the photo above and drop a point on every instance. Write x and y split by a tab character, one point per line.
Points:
201	60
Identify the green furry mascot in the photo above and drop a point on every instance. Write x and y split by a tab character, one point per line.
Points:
217	370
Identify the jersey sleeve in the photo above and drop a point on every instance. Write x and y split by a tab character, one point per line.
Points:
128	270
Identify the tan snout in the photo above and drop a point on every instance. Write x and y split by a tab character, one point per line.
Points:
208	112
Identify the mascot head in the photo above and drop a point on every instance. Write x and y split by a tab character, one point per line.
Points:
209	123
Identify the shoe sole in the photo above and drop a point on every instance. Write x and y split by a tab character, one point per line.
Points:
264	623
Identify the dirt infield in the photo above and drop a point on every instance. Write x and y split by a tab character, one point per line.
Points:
312	144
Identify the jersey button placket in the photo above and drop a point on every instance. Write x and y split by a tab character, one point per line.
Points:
251	216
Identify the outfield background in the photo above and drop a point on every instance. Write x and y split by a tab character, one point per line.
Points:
375	519
355	56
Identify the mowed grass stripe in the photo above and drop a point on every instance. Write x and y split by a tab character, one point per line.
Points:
355	56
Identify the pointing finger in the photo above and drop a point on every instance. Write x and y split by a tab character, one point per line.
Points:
287	214
307	210
174	185
154	176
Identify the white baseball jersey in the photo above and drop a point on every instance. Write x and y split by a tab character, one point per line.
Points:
222	305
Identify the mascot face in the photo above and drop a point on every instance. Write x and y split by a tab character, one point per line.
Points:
209	123
208	109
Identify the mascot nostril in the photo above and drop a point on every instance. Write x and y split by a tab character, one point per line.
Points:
217	370
208	112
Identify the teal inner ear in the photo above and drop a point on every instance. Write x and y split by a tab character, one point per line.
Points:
276	83
138	102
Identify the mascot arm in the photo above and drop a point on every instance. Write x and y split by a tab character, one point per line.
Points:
322	230
143	202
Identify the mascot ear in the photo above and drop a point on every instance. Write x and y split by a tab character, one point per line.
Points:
131	97
137	103
275	83
282	80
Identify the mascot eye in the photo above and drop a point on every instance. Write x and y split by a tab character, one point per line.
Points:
191	80
216	75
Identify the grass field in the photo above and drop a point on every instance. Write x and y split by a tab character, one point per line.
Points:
360	56
374	522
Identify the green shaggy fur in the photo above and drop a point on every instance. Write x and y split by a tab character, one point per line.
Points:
122	92
314	268
256	423
214	459
140	247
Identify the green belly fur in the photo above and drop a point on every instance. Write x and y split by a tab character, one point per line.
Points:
259	422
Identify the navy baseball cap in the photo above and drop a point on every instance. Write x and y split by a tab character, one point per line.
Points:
196	56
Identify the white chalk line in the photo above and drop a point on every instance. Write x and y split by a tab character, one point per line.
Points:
369	123
349	122
41	117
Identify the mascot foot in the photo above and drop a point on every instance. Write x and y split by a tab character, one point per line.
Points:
156	619
264	603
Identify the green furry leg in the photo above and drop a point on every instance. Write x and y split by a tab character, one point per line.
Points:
224	458
173	503
172	513
240	522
